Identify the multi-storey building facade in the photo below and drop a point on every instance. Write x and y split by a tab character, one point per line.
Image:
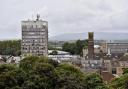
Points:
117	48
114	47
35	37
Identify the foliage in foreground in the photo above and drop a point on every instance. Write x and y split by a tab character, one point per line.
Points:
41	73
121	82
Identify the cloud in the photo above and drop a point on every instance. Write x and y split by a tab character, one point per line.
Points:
65	16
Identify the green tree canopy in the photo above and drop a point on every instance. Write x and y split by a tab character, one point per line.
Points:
10	47
76	47
54	52
121	82
43	73
94	81
69	77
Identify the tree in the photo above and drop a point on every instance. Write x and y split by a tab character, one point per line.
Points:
75	48
11	77
10	47
69	77
80	44
125	70
94	81
54	52
28	63
69	47
42	73
121	82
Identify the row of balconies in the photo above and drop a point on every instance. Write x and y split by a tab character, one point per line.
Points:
34	51
35	41
33	33
34	30
34	36
33	26
34	45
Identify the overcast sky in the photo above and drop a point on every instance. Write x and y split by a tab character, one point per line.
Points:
64	16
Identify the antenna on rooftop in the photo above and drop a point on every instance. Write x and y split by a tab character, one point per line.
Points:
38	17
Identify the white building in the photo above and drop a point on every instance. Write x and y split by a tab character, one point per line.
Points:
59	52
34	37
61	58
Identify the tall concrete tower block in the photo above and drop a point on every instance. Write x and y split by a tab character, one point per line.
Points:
34	37
90	45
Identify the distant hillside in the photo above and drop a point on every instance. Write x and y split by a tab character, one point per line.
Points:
97	36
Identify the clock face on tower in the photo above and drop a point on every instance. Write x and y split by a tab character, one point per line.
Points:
90	35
